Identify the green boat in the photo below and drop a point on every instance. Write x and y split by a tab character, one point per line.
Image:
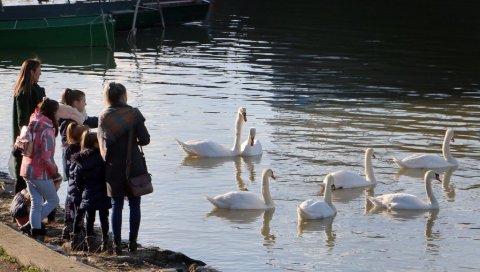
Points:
92	31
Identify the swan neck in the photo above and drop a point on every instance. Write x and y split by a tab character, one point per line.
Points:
328	193
238	132
369	175
430	195
446	148
266	192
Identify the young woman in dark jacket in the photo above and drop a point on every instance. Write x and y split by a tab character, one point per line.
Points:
115	122
26	97
88	172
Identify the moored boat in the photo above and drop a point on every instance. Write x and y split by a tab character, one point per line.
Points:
150	12
93	31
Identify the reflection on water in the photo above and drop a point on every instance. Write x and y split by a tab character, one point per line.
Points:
211	163
322	81
325	224
248	217
82	58
448	187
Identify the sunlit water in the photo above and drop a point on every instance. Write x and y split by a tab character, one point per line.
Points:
321	82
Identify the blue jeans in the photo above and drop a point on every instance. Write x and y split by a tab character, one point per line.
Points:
44	199
135	215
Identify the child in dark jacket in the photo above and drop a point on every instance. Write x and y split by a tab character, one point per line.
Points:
73	99
72	146
88	173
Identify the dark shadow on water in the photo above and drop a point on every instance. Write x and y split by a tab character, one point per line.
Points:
79	58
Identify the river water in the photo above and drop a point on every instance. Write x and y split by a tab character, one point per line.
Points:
321	82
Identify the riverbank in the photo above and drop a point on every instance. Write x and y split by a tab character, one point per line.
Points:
145	259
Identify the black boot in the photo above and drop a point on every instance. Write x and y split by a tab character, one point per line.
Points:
77	242
117	247
27	228
106	244
91	244
39	234
132	246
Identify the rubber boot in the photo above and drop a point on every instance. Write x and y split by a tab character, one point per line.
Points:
39	234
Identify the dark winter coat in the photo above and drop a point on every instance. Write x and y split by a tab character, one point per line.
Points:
23	107
91	122
88	172
115	139
73	193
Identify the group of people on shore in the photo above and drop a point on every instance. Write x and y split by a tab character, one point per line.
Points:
94	163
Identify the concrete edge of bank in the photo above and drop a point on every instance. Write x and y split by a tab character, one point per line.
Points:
30	252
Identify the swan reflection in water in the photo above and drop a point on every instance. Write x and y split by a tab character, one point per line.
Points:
210	163
246	217
404	215
448	188
318	225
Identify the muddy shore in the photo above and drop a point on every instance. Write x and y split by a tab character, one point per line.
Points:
145	259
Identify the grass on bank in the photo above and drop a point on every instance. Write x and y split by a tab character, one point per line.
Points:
4	257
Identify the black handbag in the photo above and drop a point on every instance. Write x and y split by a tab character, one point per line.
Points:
141	184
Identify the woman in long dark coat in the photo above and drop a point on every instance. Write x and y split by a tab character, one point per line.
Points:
115	122
26	97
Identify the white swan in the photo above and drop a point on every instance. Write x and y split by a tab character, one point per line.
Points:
345	180
207	148
246	200
251	146
429	161
403	201
310	209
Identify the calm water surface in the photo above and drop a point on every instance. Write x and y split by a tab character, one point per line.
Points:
321	82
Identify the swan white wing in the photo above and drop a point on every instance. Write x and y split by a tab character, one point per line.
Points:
248	150
401	201
238	200
421	160
345	180
310	209
205	148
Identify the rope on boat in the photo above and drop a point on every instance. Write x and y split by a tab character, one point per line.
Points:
105	30
133	31
161	14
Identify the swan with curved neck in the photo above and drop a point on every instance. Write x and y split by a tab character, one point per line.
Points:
310	209
251	146
345	179
244	200
430	161
403	201
208	148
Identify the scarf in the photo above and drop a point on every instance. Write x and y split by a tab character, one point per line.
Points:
117	120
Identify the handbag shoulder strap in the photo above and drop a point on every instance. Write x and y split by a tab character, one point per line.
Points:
129	153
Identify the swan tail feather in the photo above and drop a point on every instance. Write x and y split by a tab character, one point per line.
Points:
213	201
186	148
399	162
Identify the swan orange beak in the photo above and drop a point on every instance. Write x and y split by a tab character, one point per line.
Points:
244	116
252	139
